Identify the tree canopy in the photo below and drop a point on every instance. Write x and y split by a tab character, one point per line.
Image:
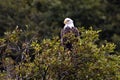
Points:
23	56
30	44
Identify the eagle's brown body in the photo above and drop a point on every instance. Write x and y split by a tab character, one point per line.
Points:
64	39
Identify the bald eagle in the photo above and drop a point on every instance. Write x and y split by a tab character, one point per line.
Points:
68	28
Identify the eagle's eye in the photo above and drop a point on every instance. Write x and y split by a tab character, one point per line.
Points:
68	20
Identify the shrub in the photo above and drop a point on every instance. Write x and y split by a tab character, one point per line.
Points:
24	56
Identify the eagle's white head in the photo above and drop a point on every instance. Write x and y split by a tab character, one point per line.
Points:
68	23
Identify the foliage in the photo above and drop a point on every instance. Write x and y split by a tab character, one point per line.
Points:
25	56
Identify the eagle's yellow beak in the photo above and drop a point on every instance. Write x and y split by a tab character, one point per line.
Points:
65	21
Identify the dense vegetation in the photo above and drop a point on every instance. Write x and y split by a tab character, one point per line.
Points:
32	51
24	56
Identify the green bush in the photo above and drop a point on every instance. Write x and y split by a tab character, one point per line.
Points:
25	56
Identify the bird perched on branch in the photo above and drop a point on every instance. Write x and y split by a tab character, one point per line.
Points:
67	33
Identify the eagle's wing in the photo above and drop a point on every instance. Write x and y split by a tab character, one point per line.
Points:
76	31
61	35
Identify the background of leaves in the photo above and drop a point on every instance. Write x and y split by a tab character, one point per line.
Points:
30	44
46	16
